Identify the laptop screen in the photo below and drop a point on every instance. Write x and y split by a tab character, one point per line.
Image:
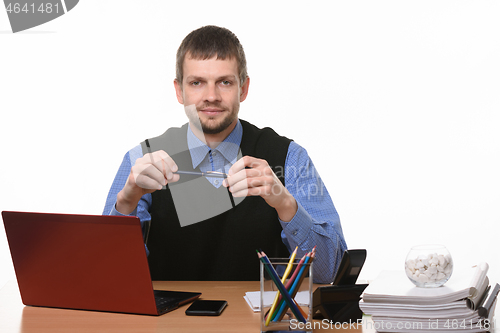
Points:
90	262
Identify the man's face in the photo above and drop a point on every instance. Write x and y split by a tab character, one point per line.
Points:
213	86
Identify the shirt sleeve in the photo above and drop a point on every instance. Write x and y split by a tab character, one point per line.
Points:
142	209
316	222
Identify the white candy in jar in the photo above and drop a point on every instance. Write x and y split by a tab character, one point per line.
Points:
428	269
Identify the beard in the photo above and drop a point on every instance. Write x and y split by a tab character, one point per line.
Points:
212	125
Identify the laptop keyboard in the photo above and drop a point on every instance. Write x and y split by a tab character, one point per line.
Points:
164	301
170	300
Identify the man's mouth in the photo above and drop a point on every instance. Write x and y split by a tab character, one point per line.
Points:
211	112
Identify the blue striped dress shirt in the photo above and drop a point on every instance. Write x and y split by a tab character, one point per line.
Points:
316	221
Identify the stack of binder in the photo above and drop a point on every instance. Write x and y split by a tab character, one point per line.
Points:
466	303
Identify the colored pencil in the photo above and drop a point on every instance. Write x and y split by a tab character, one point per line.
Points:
283	279
290	282
294	284
274	276
281	309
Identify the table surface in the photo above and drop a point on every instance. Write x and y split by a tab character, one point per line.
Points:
237	317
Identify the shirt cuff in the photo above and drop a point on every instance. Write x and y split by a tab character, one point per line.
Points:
117	213
299	226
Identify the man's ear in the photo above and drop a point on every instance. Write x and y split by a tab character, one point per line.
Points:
244	89
178	91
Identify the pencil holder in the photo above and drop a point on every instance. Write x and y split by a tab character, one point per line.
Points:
291	311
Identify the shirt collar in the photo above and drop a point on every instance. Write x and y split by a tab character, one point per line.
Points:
229	148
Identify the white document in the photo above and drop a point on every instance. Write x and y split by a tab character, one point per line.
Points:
253	299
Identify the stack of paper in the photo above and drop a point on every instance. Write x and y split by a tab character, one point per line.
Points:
396	305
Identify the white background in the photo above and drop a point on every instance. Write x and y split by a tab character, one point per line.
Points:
397	102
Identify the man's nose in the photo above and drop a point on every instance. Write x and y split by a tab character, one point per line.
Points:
212	93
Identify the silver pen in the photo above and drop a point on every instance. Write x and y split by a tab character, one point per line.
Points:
215	174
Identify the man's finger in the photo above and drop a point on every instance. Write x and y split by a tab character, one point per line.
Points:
148	171
244	162
161	161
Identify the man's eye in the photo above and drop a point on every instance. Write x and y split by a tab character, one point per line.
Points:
195	83
226	83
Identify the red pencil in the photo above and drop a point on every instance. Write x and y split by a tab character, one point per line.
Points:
290	282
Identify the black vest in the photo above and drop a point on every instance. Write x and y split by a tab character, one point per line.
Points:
221	247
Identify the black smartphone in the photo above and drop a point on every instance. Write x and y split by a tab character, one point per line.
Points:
204	307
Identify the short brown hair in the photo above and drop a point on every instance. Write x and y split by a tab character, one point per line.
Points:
207	42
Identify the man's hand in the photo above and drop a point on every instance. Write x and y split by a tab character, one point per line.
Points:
150	173
251	176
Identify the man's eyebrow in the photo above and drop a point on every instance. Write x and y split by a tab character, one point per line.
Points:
220	78
195	78
227	77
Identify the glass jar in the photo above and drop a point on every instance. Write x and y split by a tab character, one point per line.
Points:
429	266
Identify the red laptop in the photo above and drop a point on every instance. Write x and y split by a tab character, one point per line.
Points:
87	262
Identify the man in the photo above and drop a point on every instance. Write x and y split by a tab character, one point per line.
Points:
208	228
